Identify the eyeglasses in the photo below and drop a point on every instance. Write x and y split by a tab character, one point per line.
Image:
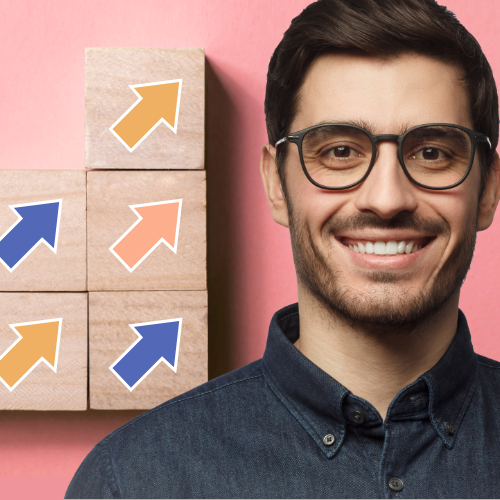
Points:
434	156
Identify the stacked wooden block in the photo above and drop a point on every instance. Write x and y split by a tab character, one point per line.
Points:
100	293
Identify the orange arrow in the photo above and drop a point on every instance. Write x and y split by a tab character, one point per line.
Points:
158	102
38	341
158	222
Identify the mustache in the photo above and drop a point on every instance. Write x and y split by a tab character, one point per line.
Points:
402	220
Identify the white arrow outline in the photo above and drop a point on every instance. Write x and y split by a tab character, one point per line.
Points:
161	120
20	337
159	361
173	248
41	240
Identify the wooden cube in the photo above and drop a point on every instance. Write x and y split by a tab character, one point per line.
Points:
159	122
43	235
52	326
118	238
134	385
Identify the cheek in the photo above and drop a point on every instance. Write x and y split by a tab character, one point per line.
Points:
458	207
312	206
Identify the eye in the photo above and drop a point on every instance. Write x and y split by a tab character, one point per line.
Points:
429	154
342	152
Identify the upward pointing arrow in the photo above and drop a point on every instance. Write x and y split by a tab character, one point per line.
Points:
158	103
158	222
37	222
38	341
158	341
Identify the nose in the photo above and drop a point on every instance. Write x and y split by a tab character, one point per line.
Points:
387	191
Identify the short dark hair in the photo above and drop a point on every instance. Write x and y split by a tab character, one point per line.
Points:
380	28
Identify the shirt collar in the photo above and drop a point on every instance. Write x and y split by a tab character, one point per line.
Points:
319	402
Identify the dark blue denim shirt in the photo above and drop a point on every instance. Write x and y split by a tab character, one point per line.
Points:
265	431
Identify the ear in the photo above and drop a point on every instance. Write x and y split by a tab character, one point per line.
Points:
272	185
489	201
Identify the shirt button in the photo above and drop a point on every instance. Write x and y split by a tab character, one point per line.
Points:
329	439
450	429
395	484
357	416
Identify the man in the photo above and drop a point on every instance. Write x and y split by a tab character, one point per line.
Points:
382	119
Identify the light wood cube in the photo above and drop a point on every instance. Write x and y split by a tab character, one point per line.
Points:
111	337
29	383
51	209
109	75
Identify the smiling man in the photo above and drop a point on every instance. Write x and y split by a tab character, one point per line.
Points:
382	119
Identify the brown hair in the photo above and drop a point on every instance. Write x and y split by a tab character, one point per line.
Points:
380	28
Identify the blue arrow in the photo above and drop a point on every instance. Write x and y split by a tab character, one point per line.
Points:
38	222
159	341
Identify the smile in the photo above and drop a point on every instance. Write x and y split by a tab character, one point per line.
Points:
381	247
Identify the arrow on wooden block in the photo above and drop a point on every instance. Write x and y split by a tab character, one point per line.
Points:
37	223
158	103
38	341
158	341
158	222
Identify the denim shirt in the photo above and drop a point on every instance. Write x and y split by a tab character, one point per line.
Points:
280	427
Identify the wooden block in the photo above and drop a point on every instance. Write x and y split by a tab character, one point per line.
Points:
42	269
109	217
109	73
42	388
110	336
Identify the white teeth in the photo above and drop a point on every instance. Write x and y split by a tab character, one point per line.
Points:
385	248
379	248
391	248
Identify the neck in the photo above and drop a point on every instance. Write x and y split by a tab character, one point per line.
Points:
373	367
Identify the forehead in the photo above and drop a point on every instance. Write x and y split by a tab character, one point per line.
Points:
391	95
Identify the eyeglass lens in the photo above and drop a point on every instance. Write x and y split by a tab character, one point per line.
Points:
340	155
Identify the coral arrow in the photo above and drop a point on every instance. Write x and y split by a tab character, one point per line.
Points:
37	223
38	341
158	341
158	222
158	103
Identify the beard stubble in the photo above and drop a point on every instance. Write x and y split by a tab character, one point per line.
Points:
386	309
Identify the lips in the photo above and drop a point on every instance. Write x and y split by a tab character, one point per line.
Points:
385	247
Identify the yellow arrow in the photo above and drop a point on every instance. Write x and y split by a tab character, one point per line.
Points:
158	103
38	341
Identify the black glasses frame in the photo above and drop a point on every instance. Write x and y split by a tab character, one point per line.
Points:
475	137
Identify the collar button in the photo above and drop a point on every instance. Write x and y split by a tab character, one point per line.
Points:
357	416
450	428
329	439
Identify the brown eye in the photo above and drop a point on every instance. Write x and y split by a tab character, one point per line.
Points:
430	154
342	151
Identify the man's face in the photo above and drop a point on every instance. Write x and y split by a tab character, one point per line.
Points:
389	96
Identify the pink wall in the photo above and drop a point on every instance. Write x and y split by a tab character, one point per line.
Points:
251	271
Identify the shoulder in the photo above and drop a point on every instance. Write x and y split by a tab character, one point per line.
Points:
196	423
489	375
489	366
203	402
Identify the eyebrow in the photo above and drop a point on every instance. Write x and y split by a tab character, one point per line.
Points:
368	126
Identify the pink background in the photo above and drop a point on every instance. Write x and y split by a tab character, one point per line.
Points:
251	272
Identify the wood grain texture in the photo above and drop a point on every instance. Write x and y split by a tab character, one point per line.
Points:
109	216
111	313
43	270
43	389
108	74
